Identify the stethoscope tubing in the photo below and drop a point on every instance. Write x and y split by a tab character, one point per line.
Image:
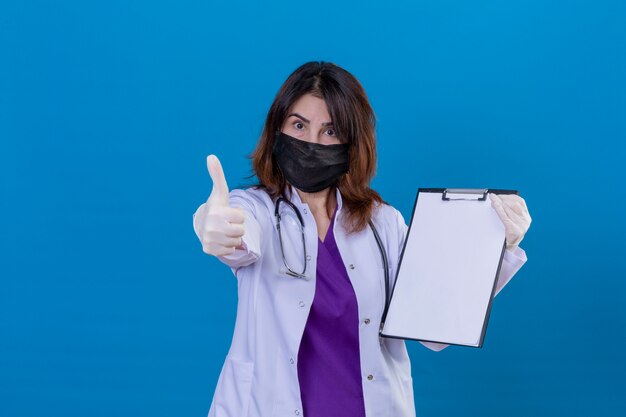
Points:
302	274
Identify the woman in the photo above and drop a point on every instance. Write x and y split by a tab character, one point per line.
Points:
306	339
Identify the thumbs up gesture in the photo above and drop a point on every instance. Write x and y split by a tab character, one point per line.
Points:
223	226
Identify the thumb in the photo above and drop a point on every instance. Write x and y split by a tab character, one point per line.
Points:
219	193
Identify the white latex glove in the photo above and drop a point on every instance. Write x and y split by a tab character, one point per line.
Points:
220	226
514	215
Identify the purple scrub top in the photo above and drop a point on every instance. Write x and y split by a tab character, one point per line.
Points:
329	366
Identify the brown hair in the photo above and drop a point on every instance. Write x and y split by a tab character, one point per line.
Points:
353	120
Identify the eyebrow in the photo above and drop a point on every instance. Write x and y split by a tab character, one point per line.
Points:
308	121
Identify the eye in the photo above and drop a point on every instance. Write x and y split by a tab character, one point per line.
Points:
298	125
330	130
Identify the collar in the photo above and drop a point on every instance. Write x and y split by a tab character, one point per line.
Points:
298	202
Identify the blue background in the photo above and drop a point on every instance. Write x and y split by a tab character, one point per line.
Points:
109	307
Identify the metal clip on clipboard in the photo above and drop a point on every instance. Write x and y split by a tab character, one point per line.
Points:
465	191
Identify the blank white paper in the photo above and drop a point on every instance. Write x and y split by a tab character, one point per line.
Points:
447	272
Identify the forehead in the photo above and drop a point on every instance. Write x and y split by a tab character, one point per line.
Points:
310	107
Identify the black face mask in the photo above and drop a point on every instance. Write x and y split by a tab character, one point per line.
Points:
310	167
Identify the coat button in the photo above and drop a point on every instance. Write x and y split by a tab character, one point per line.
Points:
370	377
301	303
351	266
308	257
305	211
291	360
296	412
367	321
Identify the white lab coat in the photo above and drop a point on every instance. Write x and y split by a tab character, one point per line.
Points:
259	376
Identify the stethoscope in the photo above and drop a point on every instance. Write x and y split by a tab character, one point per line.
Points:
290	271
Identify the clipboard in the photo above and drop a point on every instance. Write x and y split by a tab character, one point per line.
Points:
448	269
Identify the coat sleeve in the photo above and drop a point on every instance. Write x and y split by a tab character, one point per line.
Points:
511	263
250	251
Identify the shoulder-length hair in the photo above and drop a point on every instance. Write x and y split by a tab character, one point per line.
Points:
354	122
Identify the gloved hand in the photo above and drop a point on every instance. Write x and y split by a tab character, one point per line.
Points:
221	227
514	214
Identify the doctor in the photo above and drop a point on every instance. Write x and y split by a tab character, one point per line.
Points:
311	292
